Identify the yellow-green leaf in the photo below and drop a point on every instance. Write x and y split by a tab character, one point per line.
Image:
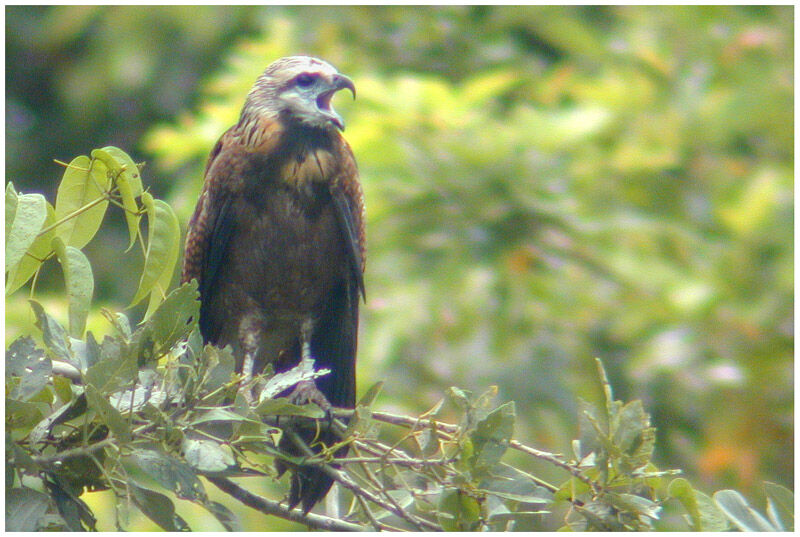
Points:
128	181
29	216
163	241
33	258
79	283
11	206
81	201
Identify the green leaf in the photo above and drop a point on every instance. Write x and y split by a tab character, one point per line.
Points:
158	508
780	506
38	252
169	472
683	491
228	520
11	206
29	215
71	410
509	483
54	335
222	415
30	364
490	438
163	243
22	415
128	181
634	436
25	509
740	513
460	397
207	456
79	284
115	370
171	321
85	183
220	365
635	504
107	413
368	398
458	511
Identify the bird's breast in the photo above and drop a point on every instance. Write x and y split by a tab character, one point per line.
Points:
308	167
288	252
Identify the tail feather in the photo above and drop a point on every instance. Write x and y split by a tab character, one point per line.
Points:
309	484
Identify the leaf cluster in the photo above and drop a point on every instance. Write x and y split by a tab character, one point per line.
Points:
37	231
151	414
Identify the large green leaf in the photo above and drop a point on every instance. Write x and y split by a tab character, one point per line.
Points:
29	363
490	438
79	283
85	184
29	215
167	471
38	252
158	508
458	511
116	369
25	509
740	513
128	181
163	244
11	206
54	335
171	322
780	506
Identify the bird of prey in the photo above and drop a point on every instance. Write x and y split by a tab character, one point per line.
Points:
276	242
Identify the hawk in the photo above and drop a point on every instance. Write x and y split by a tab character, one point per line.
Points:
276	242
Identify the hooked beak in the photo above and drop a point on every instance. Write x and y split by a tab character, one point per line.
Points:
339	82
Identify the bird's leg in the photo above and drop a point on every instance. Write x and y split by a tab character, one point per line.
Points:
248	341
306	391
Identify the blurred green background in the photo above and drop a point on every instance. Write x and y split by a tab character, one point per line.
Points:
544	185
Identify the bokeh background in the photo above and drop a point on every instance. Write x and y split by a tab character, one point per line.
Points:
544	185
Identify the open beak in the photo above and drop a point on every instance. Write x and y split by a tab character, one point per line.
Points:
339	82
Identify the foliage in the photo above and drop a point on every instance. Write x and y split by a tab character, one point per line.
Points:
148	411
613	182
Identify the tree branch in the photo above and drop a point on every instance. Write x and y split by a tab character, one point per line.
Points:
270	507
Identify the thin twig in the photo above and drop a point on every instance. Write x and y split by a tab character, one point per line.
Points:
347	483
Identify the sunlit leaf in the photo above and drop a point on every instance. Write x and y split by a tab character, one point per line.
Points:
780	506
33	258
84	184
163	241
29	363
54	335
79	283
740	513
207	456
29	216
128	181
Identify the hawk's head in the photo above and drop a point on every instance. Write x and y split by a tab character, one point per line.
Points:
299	88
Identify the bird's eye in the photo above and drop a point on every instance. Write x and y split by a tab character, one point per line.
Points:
304	80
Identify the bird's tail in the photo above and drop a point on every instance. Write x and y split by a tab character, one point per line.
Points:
309	484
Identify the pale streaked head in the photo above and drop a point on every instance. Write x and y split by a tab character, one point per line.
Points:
299	88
